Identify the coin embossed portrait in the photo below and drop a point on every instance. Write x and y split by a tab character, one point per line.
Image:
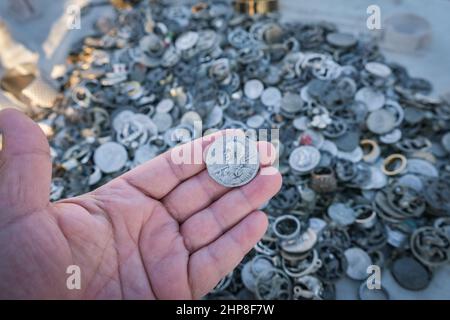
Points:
232	161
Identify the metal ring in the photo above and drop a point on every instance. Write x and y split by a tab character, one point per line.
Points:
374	152
368	222
323	180
392	158
292	235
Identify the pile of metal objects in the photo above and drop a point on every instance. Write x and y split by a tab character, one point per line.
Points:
363	147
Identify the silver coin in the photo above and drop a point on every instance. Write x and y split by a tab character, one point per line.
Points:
163	121
342	40
232	161
271	97
446	142
378	69
374	100
110	157
170	57
253	89
206	39
186	41
165	106
255	121
303	159
391	137
358	262
380	121
144	153
291	102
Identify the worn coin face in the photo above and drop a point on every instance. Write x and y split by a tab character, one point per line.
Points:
342	40
374	100
303	159
144	153
271	97
380	121
255	121
378	69
110	157
163	121
253	89
232	161
291	102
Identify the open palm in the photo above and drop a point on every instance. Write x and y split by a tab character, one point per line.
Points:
160	231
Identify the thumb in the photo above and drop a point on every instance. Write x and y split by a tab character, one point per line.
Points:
25	166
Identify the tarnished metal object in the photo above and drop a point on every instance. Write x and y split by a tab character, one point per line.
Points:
252	7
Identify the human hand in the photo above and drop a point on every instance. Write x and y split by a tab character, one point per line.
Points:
160	231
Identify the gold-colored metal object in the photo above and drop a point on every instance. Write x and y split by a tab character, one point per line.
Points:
371	150
391	160
124	4
252	7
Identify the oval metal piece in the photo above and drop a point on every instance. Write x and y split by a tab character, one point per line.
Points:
411	274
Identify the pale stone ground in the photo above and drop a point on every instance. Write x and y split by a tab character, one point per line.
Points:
350	15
